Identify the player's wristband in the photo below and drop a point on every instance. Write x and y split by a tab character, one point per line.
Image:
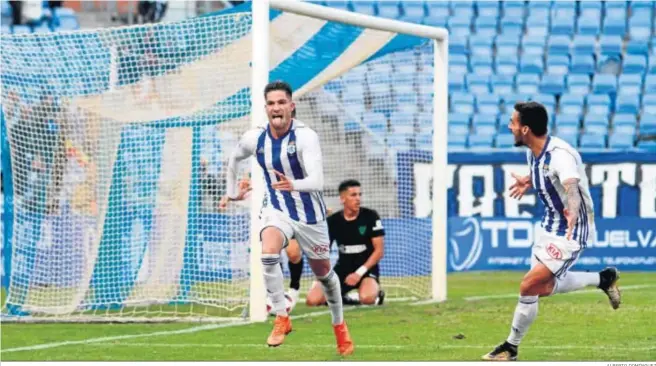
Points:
361	271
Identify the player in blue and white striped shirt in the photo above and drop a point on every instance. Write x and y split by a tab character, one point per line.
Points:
558	175
289	154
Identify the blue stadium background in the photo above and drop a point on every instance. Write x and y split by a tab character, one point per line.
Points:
591	63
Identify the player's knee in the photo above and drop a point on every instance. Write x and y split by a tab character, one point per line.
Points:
294	256
272	240
320	267
368	299
529	287
314	300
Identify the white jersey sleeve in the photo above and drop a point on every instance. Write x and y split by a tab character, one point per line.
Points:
245	148
564	165
310	150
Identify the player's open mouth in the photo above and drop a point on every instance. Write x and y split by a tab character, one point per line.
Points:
276	117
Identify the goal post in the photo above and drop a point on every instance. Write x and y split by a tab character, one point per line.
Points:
119	137
439	36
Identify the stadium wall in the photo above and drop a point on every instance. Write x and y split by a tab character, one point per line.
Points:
490	231
487	230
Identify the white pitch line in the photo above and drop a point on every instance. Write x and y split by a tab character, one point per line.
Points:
516	295
154	334
365	346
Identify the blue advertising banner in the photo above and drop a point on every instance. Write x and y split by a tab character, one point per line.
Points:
488	230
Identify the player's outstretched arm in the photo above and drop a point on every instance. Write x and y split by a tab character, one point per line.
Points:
245	148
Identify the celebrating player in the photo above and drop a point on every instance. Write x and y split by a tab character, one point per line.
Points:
290	156
358	233
558	175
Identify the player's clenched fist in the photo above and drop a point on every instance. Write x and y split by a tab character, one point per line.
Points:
283	183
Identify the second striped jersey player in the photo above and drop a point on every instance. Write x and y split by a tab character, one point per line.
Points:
557	164
557	174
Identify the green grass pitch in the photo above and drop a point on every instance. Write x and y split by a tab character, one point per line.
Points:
570	327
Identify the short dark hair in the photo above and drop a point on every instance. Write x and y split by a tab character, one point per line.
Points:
533	115
278	85
348	184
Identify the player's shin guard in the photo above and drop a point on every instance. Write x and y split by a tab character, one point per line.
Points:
572	281
333	291
273	282
525	313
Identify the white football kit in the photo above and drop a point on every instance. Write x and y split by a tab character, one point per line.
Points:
557	163
301	213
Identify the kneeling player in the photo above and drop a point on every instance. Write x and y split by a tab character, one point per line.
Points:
358	233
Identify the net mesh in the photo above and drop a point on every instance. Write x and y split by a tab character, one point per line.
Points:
119	141
375	126
115	136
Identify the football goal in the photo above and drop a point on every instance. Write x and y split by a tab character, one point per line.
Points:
117	141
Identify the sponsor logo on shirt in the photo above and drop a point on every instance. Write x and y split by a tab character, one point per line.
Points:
352	249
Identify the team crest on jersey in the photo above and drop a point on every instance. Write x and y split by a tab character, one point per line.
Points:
362	229
545	167
260	150
291	148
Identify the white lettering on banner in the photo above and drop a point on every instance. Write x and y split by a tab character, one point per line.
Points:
515	261
520	226
423	176
466	199
621	239
626	261
609	175
648	191
494	227
511	205
467	243
512	229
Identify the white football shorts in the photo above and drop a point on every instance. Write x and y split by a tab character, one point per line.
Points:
555	252
313	239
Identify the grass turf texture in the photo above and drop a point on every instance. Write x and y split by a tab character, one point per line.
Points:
569	327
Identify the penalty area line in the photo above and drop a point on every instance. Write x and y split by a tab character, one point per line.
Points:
157	334
516	295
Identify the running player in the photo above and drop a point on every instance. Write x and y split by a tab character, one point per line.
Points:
289	154
558	175
358	234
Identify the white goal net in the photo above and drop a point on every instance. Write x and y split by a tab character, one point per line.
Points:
119	140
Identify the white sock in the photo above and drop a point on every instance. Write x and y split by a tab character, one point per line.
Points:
572	281
333	291
273	282
525	313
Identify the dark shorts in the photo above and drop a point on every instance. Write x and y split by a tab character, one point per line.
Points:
343	272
